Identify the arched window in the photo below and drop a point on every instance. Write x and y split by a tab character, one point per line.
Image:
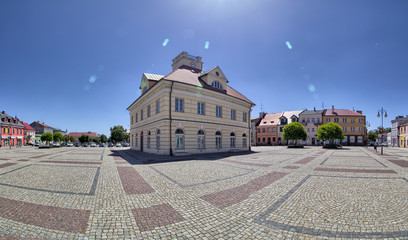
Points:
244	140
232	140
216	84
158	139
148	139
179	139
201	139
218	143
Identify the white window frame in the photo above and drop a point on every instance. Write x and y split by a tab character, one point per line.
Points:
200	108
179	105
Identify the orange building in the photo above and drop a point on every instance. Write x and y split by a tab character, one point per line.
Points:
403	137
353	124
267	130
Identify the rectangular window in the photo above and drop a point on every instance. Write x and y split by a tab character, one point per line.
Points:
244	117
263	129
200	108
232	142
328	120
148	111
158	106
344	129
218	111
308	120
179	141
344	120
361	120
312	129
268	130
313	120
318	120
336	120
352	129
136	118
360	129
179	105
141	114
233	114
353	120
281	129
273	129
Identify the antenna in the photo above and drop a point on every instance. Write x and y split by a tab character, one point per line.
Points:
323	105
261	107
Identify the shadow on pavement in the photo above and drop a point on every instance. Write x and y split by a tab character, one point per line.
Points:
136	157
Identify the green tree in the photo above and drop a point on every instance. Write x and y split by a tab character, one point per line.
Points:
372	136
96	140
84	138
71	139
66	138
330	132
294	131
104	138
58	137
47	137
118	134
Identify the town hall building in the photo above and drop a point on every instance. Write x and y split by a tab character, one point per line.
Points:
189	111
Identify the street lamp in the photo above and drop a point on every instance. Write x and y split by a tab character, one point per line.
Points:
383	113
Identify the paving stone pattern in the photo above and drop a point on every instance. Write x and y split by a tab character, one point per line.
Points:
269	193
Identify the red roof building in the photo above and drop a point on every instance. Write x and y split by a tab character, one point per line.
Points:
29	133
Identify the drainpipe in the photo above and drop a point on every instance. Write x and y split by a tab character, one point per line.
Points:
171	120
249	128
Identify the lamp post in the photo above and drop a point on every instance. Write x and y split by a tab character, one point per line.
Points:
382	113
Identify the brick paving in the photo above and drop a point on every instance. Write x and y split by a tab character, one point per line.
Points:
270	193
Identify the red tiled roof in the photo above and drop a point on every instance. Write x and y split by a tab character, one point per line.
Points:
270	119
43	124
27	127
189	77
341	112
78	134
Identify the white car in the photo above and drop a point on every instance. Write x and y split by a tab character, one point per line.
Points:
93	144
70	144
56	144
118	145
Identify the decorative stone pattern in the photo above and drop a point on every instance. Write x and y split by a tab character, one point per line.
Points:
133	182
7	165
237	194
305	160
63	219
354	170
264	194
156	216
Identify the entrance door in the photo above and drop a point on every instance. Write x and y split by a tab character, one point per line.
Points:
141	141
313	141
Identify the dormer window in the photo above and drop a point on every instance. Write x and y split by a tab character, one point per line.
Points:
216	84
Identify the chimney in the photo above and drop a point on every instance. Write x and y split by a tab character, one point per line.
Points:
314	109
332	108
359	111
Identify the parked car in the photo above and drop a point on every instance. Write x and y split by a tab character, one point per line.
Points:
85	145
64	144
70	144
93	144
78	144
125	144
56	144
110	144
118	145
37	144
102	145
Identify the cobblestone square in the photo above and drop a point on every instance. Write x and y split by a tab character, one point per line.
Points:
269	193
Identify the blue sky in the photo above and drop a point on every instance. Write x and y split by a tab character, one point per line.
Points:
346	53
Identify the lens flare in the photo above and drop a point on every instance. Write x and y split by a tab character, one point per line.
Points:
312	88
165	42
92	78
288	44
207	45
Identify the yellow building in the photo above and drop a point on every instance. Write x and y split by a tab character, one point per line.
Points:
353	124
403	136
189	111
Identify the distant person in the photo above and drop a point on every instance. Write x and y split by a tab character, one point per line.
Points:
375	146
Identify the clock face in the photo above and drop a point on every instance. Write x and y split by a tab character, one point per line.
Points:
192	64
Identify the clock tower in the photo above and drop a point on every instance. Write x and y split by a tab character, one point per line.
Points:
186	61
